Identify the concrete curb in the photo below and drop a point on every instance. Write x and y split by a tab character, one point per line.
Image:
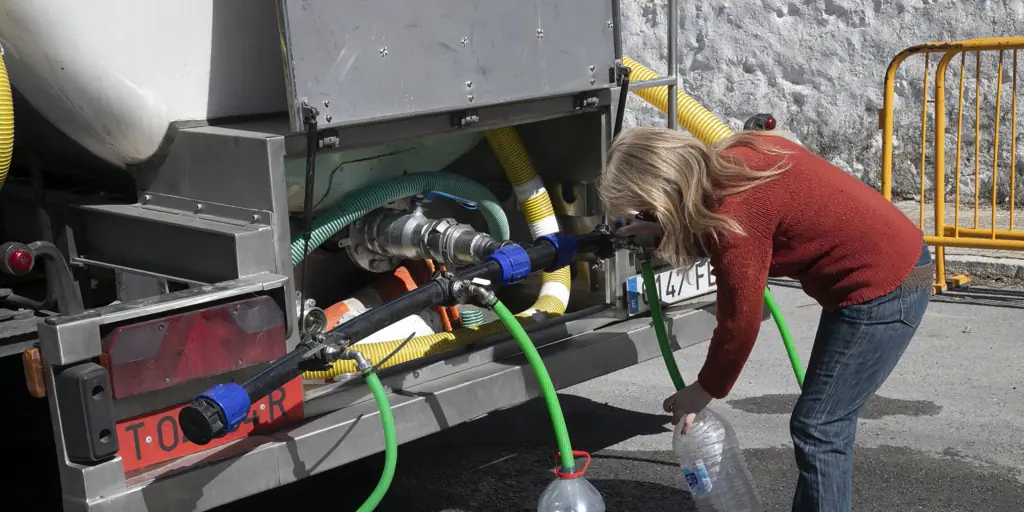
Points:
983	267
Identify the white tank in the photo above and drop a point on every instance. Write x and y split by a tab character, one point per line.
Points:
114	74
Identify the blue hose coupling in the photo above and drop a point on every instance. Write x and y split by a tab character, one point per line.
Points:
514	263
565	249
219	410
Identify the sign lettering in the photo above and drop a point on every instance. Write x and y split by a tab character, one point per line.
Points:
157	437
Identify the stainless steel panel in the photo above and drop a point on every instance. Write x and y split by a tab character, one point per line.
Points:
354	432
355	60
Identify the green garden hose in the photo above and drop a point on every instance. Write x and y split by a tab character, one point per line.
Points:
547	388
654	300
390	443
364	200
787	338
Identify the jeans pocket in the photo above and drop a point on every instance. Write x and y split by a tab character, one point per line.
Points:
913	303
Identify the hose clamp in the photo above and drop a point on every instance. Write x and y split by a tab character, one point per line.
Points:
566	249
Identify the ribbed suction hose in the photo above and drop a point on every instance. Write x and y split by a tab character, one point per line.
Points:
6	122
691	115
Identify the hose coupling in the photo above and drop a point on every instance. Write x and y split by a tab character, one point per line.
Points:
362	363
386	237
476	290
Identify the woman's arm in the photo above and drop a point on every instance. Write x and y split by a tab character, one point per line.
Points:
740	266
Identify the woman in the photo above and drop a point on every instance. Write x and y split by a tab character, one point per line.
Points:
759	205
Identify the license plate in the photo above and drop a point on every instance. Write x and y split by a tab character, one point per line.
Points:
674	285
156	437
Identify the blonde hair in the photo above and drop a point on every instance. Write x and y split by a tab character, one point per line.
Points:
681	179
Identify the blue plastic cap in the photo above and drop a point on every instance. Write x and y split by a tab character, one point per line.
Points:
514	263
233	402
565	249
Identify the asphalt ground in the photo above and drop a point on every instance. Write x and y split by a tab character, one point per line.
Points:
945	433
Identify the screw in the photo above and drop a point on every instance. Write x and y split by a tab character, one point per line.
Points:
384	51
199	207
146	198
263	407
327	103
540	33
591	68
592	80
465	41
470	97
149	439
329	118
255	217
161	327
611	24
360	249
167	379
305	103
469	83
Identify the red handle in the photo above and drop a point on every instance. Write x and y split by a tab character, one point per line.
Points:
569	476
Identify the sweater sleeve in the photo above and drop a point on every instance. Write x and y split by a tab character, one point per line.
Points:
740	266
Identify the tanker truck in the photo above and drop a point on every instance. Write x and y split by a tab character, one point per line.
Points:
191	188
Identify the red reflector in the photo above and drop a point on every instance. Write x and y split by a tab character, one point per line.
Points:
161	353
156	437
769	123
20	260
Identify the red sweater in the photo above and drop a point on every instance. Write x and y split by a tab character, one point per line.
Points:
837	236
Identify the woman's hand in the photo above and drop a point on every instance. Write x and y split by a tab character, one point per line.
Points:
640	228
686	403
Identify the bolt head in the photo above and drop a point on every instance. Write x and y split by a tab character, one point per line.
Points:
328	118
540	33
327	103
470	97
465	41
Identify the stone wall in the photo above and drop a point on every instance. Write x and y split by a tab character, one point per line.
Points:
819	65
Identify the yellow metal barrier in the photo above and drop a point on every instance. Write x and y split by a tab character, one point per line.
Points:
955	235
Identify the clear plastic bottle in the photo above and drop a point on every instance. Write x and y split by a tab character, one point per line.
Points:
570	495
713	467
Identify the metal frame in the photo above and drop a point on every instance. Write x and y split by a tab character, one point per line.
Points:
954	235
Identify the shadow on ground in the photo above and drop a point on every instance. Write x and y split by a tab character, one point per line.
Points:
502	462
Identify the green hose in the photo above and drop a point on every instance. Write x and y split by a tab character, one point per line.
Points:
364	200
390	443
787	338
654	300
546	387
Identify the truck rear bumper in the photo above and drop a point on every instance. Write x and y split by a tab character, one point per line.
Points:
469	390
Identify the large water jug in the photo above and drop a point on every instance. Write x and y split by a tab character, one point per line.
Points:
713	467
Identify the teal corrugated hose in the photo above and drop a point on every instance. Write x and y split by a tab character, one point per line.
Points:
362	201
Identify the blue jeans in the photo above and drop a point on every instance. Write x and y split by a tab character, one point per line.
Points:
855	350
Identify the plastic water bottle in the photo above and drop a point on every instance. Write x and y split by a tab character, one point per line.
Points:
713	467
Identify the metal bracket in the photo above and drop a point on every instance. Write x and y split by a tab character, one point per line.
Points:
587	100
465	118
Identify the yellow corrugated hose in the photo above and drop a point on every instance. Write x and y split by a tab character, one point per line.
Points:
554	295
6	123
691	115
